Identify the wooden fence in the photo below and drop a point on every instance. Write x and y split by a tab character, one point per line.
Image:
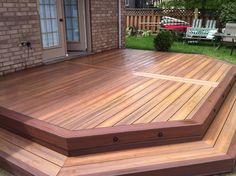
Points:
147	19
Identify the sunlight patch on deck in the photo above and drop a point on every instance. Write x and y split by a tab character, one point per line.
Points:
177	79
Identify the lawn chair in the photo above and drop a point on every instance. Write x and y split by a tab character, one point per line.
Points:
230	35
210	24
230	29
197	32
197	23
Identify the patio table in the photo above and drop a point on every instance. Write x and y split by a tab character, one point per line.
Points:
222	36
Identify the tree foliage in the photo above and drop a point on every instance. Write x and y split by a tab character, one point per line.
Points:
200	4
228	13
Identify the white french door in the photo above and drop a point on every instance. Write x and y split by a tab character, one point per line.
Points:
52	28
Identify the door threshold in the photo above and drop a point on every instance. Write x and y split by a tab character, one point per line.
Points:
70	55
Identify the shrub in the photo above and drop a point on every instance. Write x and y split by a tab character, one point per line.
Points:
228	13
132	31
163	41
146	33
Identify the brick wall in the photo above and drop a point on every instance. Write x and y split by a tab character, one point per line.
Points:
19	20
104	24
123	23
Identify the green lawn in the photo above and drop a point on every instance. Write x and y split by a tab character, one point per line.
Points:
206	48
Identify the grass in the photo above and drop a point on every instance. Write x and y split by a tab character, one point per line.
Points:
206	48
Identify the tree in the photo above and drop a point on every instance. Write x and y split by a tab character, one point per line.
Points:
227	13
200	4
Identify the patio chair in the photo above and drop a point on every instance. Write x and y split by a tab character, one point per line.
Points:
197	23
197	32
211	24
230	29
230	38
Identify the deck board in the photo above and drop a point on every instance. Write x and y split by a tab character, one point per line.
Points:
34	148
115	88
14	152
101	91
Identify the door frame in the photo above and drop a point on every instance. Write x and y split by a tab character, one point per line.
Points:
52	53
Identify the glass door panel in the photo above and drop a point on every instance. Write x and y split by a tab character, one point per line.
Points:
49	23
72	20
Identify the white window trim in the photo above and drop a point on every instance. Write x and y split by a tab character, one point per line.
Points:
126	2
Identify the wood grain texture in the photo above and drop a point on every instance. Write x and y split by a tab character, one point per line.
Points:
104	90
216	151
99	102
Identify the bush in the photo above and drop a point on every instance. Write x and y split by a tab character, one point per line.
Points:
132	31
228	13
146	33
163	41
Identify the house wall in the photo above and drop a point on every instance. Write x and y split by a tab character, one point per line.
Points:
104	24
123	23
19	21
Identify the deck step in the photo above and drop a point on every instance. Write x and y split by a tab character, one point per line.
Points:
214	154
185	109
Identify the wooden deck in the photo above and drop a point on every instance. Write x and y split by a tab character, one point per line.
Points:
214	154
112	94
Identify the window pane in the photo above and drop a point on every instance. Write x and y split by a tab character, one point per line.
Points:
43	26
54	25
42	12
76	35
47	11
45	41
68	23
50	39
46	2
75	23
49	23
67	2
53	2
74	2
56	38
72	22
74	11
53	11
69	35
68	11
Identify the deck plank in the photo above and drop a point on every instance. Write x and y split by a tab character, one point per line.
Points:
14	152
219	122
111	89
134	108
34	148
129	165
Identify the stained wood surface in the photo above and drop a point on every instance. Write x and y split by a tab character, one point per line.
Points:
175	99
115	88
190	158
